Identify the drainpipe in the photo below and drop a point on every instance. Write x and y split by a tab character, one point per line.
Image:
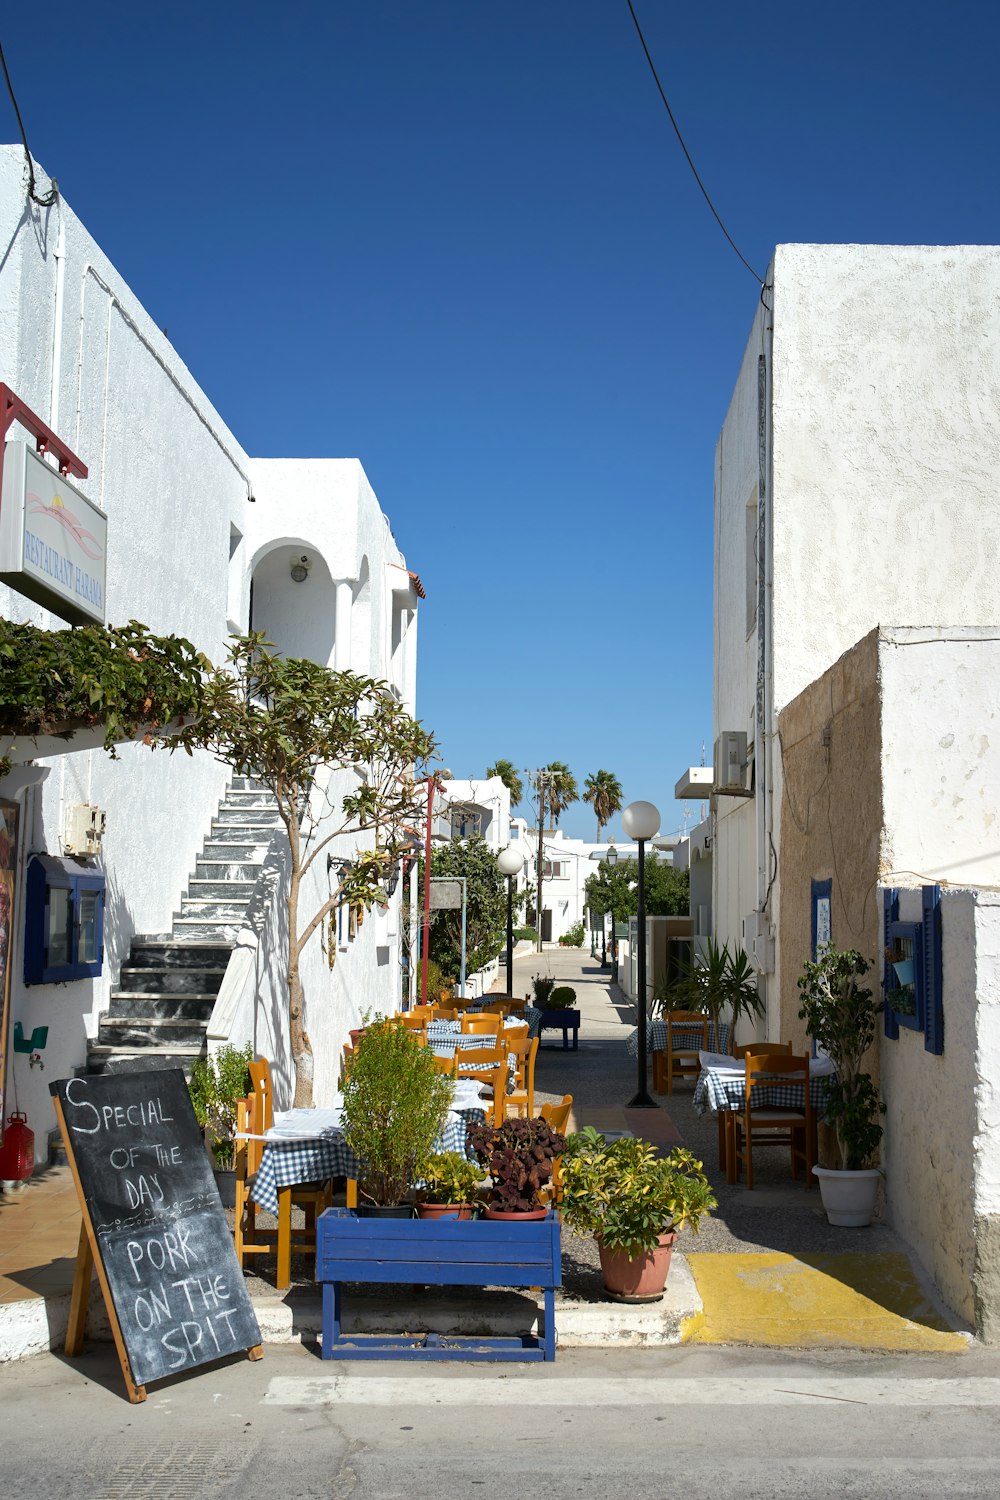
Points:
59	255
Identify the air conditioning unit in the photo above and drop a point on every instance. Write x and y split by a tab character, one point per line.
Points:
84	834
731	763
758	940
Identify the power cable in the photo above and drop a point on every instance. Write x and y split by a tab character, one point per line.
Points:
44	200
694	169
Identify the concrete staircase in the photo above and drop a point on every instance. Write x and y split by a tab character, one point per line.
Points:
160	1011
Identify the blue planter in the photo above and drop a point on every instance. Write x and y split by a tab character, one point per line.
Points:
436	1252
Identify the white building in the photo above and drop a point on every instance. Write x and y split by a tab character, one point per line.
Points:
857	531
194	528
476	807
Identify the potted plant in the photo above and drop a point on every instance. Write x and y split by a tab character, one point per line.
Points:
395	1105
563	997
720	983
450	1186
543	985
216	1086
519	1157
634	1202
841	1017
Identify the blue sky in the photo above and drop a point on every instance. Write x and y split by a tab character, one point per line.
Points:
460	242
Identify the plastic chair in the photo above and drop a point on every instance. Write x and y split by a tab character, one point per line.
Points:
680	1059
764	1125
522	1095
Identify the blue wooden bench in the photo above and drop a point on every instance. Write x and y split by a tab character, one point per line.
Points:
565	1021
436	1252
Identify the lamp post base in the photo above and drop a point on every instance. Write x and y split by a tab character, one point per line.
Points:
642	1100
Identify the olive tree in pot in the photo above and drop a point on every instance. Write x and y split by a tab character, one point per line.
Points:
633	1202
841	1017
216	1086
519	1156
395	1106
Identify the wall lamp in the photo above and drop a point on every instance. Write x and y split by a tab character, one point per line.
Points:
300	569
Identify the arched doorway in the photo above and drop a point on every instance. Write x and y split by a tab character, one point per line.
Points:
292	600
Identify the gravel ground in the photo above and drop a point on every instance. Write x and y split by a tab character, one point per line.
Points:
601	1075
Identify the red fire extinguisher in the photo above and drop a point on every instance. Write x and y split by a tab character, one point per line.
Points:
17	1154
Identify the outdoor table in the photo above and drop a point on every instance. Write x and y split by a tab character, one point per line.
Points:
721	1087
445	1038
685	1038
307	1145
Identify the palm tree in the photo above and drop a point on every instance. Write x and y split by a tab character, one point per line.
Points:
511	780
562	789
603	791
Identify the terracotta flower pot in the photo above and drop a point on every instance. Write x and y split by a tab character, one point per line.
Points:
522	1218
641	1279
444	1210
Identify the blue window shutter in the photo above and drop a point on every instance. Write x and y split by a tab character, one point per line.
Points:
890	913
930	897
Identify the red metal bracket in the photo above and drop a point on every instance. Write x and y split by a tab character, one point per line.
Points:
13	409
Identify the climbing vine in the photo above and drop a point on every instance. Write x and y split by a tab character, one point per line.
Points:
122	677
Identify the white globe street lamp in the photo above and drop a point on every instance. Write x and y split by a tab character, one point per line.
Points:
641	821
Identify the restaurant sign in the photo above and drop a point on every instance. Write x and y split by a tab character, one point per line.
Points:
53	540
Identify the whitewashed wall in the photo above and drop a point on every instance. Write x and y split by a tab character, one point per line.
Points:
183	544
941	754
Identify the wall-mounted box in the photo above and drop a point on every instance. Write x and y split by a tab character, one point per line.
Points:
63	921
84	832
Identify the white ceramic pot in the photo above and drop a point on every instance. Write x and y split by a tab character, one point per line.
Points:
848	1197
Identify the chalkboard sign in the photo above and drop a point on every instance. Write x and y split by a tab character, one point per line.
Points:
154	1225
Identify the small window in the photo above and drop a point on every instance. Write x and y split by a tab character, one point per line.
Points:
64	921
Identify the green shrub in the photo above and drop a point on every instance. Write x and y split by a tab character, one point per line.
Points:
563	997
525	934
573	936
448	1177
216	1086
627	1194
543	985
395	1105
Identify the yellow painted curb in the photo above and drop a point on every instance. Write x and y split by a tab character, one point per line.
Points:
845	1301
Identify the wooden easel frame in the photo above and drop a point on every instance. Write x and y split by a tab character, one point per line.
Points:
88	1259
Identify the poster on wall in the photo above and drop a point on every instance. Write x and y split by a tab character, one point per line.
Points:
8	866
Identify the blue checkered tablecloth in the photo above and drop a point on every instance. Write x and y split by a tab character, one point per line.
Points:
685	1039
285	1163
722	1089
445	1039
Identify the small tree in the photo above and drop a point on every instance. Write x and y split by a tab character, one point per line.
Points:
507	773
280	720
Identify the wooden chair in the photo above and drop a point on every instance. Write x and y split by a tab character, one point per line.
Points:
727	1116
488	1066
249	1238
425	1012
558	1117
346	1063
412	1022
680	1059
446	1013
764	1124
445	1065
514	1033
522	1095
480	1024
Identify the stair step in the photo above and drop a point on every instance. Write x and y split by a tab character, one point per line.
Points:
246	817
215	890
201	929
152	1031
238	850
166	952
247	784
242	796
139	1004
133	979
216	911
104	1059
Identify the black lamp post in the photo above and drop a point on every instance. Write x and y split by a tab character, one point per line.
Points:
511	862
641	821
610	859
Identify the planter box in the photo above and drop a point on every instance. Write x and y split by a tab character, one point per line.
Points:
436	1252
565	1021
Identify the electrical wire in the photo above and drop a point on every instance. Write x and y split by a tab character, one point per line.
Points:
44	200
666	104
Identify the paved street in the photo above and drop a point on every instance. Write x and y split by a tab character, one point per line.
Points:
643	1425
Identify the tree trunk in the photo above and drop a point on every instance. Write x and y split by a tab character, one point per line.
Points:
302	1053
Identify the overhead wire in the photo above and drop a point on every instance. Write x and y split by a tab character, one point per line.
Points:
44	200
666	104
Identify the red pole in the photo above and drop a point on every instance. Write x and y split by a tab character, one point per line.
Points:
424	954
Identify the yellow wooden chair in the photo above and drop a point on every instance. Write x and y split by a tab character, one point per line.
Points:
445	1065
521	1098
253	1118
488	1066
446	1013
557	1116
727	1117
775	1125
476	1023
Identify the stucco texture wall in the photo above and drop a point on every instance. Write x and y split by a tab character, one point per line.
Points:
831	818
886	445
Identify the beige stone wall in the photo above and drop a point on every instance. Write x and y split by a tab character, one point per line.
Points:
831	819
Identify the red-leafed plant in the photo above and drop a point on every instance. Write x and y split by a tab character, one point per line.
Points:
518	1155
